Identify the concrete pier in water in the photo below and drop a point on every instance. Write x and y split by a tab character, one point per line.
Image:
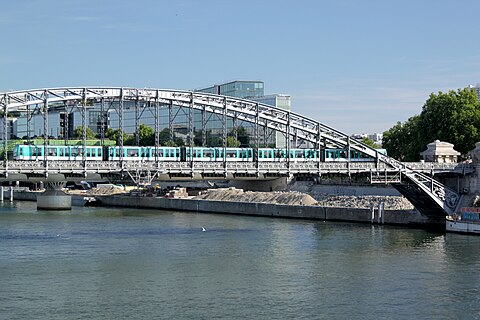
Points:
54	200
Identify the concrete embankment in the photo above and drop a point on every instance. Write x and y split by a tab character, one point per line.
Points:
289	205
401	217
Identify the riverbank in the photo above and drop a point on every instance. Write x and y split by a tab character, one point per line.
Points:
314	212
284	204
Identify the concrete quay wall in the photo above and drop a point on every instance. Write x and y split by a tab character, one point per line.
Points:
400	217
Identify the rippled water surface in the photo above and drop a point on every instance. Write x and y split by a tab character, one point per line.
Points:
104	263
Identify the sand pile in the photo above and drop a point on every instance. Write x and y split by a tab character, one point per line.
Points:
238	195
107	190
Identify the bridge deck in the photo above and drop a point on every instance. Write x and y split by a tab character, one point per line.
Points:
287	168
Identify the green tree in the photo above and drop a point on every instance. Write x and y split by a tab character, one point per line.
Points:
369	142
452	117
401	141
198	138
164	139
78	133
114	134
146	135
178	142
129	140
232	142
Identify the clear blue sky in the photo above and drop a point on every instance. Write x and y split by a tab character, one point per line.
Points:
358	66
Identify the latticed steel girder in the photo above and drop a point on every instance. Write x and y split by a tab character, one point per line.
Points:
286	122
289	123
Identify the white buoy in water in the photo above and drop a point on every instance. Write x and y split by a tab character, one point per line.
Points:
203	229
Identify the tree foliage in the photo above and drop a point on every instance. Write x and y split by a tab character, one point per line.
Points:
164	139
146	135
401	140
369	142
78	133
115	134
452	117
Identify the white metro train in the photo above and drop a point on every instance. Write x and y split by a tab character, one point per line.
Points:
113	153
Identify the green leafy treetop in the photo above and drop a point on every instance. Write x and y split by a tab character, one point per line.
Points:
451	117
369	142
78	133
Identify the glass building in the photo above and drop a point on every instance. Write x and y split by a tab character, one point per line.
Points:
238	89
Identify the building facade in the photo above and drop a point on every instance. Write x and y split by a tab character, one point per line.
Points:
238	89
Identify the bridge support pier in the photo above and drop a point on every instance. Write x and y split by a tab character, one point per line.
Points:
54	198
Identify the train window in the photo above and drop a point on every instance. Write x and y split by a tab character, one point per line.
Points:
76	151
52	151
208	153
132	152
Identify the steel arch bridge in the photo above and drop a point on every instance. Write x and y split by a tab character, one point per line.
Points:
427	194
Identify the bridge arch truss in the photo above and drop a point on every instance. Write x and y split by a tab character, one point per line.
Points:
293	126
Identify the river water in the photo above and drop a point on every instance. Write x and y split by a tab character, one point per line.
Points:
110	263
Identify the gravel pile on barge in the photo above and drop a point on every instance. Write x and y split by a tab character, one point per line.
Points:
301	198
238	195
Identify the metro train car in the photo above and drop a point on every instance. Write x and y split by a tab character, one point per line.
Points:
174	154
66	153
268	154
341	155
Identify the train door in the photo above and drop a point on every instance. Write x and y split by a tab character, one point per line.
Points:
105	153
183	154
